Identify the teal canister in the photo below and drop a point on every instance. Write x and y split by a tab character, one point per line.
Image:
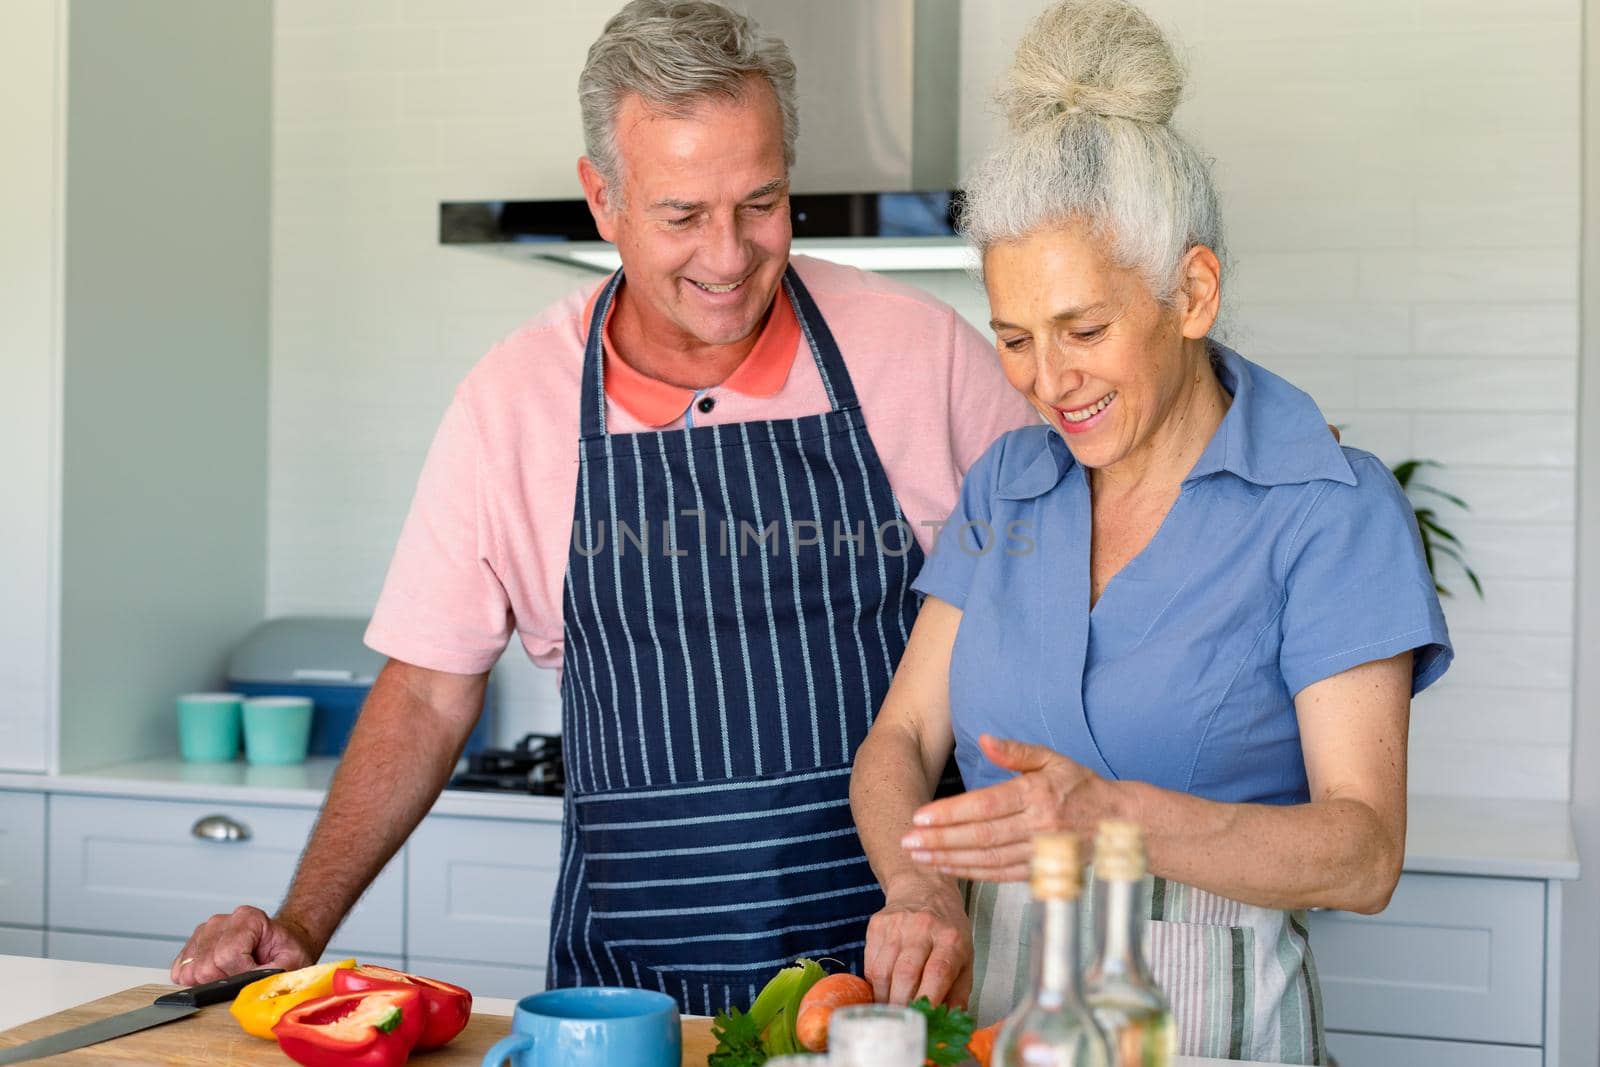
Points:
276	729
208	726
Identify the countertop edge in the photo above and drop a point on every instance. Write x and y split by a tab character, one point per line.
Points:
1472	836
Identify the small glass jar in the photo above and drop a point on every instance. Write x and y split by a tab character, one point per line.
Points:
877	1035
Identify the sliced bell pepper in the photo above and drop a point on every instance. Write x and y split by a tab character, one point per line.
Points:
261	1004
446	1008
375	1028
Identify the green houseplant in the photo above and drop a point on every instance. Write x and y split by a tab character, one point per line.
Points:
1437	541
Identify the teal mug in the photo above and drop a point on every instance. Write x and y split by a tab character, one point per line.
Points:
277	729
208	726
592	1027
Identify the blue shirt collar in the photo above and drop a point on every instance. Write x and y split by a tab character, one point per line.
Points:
1272	434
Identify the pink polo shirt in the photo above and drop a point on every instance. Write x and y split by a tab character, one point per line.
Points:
484	548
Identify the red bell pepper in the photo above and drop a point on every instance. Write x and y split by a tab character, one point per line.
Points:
446	1008
375	1028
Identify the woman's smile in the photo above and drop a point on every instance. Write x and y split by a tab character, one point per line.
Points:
1084	419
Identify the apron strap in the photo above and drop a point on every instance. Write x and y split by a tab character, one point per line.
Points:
592	395
819	339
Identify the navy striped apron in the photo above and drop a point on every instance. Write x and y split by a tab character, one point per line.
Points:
736	600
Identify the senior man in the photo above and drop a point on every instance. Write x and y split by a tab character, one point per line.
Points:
701	491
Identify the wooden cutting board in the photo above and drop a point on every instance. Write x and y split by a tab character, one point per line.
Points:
211	1036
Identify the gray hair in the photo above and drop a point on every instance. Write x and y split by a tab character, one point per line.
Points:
675	54
1089	102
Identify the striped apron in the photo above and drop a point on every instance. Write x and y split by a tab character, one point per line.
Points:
1241	979
736	600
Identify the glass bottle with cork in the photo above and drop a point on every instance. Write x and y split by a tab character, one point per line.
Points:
1121	992
1053	1026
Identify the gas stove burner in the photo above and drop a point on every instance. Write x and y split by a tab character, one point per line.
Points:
533	766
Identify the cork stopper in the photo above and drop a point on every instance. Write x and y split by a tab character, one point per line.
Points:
1057	872
1119	851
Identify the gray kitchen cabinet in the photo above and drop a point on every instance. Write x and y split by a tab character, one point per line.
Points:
146	951
1453	971
1368	1050
21	858
134	203
141	867
484	979
479	890
21	942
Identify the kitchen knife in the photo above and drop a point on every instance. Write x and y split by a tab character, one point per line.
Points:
169	1006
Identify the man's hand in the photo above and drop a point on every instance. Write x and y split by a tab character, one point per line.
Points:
920	945
241	941
987	834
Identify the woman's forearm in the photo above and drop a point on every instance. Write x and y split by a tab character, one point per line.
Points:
1337	853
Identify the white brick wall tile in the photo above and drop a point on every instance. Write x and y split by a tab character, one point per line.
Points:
1300	277
503	10
1459	14
357	50
520	43
291	15
1511	494
1512	161
1456	274
1497	329
1294	329
1525	663
1450	712
1257	223
1488	108
1500	768
1514	605
1499	549
390	146
501	92
1331	382
1458	220
1467	384
1387	436
1271	19
1514	440
336	98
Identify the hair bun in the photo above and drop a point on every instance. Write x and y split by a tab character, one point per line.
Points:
1095	57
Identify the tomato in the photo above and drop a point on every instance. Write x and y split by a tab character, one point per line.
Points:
375	1028
446	1008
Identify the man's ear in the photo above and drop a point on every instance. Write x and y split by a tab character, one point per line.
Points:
1202	290
601	195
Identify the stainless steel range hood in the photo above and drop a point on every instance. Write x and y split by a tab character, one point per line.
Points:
878	83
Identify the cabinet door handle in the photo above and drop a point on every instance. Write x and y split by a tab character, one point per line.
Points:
220	828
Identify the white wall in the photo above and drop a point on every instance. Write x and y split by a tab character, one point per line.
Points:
1399	177
30	186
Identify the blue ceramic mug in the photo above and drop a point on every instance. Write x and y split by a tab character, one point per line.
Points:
592	1027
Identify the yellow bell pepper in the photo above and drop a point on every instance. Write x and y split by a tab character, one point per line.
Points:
262	1003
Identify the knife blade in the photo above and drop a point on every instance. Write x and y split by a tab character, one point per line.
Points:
167	1008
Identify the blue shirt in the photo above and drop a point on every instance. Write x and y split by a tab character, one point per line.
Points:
1285	560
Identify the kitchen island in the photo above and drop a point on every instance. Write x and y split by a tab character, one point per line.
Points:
34	988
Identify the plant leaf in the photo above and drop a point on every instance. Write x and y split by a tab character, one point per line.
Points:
738	1041
949	1030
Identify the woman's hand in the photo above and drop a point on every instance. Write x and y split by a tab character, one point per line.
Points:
920	945
987	835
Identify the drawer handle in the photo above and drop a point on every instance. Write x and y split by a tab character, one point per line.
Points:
220	828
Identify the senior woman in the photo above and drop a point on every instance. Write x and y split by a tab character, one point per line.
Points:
1177	601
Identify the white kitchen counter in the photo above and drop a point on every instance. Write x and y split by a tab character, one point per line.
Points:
34	988
301	785
1447	835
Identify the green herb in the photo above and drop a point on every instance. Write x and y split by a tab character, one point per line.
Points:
949	1030
738	1041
